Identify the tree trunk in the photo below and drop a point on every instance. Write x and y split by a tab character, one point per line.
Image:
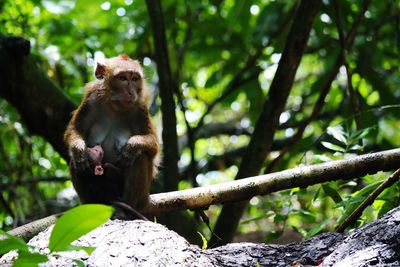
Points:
44	108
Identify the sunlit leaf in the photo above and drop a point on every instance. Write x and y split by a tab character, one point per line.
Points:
88	250
333	147
28	259
204	240
338	134
76	223
11	243
79	263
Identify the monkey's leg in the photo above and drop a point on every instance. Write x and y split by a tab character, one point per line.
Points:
138	178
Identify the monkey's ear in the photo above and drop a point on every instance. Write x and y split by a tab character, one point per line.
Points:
100	71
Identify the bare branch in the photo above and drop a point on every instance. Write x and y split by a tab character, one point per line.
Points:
303	176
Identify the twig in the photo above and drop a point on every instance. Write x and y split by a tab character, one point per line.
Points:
368	201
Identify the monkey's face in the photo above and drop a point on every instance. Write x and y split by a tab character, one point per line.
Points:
125	90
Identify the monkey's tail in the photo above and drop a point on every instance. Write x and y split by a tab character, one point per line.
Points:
125	207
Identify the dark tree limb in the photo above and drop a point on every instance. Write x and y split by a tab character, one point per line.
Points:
268	121
44	108
329	77
178	221
239	78
167	88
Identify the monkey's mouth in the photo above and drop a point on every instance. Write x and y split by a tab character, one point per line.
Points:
125	104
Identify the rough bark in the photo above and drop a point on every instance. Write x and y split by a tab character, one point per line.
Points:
43	107
268	120
141	243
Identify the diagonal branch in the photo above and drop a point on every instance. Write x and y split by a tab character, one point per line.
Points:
238	79
327	82
268	121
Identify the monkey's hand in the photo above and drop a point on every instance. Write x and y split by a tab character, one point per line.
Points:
80	157
127	156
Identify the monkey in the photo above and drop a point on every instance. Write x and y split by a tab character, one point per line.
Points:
113	117
96	154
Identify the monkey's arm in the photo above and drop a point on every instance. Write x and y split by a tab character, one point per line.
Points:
138	144
74	139
145	144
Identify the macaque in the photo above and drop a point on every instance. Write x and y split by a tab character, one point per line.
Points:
96	154
112	131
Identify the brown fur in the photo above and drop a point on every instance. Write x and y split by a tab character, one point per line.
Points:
122	126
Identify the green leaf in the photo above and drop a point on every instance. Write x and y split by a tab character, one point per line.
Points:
332	193
351	203
333	147
88	250
338	134
361	133
205	243
28	259
387	206
12	243
315	230
316	195
273	235
79	263
76	223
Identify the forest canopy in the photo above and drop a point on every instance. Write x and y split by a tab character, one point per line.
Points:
239	88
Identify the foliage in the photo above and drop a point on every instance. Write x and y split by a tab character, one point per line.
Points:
68	228
224	55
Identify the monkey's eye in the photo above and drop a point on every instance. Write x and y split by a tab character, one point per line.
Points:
135	78
122	78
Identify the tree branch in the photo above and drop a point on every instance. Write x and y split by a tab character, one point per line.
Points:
239	79
246	188
43	107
